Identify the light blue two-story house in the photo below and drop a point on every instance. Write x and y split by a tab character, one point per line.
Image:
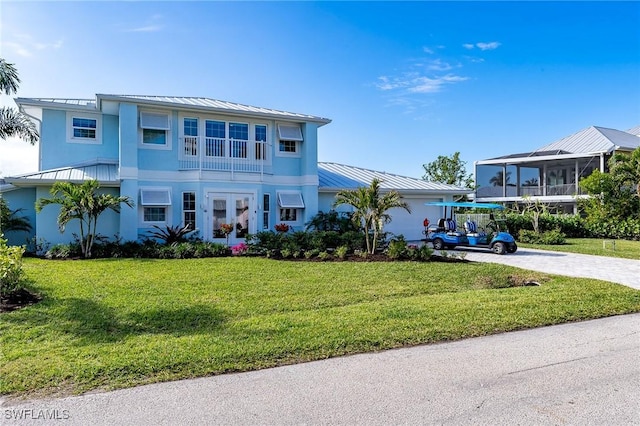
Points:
194	161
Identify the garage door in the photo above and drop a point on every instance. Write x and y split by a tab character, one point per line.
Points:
410	225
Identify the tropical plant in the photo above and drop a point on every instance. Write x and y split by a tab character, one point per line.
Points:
84	203
370	209
12	122
626	167
10	267
9	219
171	234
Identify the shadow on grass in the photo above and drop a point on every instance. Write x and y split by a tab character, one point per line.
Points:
92	322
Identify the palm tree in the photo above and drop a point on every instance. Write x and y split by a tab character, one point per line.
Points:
627	168
370	209
9	221
12	122
499	180
82	202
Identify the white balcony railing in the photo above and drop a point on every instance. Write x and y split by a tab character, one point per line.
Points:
232	155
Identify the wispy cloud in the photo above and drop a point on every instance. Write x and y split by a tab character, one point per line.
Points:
24	45
152	25
482	46
416	83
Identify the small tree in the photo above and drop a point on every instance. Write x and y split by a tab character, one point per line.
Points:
370	209
450	170
82	202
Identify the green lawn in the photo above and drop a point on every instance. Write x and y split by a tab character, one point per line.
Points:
623	248
106	324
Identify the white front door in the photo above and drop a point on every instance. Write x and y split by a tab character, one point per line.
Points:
231	216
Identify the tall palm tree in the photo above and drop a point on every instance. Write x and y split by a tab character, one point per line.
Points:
370	209
12	122
626	167
82	202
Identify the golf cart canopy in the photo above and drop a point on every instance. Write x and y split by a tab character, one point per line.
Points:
466	204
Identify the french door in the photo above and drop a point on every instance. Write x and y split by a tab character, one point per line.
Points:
231	216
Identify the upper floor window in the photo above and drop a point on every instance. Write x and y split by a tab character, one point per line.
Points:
290	137
83	128
155	129
215	133
239	132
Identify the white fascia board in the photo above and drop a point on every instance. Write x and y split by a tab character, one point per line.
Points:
521	160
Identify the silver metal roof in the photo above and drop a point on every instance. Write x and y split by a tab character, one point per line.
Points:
594	140
105	173
213	104
340	176
634	131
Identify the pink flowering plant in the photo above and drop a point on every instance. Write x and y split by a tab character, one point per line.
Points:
239	249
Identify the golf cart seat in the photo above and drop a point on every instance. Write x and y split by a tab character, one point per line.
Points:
452	228
471	229
442	225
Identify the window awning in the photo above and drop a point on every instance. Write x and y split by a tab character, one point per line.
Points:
290	200
289	133
155	197
154	120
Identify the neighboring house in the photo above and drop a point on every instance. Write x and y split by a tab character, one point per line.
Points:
416	192
193	161
551	173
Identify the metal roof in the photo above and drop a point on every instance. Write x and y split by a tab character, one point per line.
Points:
340	176
634	131
594	140
174	102
213	104
105	173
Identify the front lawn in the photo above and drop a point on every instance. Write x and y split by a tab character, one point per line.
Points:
596	246
106	324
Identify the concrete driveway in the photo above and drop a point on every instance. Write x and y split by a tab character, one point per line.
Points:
621	271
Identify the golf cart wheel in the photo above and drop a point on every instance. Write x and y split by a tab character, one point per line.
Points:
512	248
499	248
438	244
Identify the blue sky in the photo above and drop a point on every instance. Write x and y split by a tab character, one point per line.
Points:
403	82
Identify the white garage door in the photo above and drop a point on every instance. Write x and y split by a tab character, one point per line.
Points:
410	225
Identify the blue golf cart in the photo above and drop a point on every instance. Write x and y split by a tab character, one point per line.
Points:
447	233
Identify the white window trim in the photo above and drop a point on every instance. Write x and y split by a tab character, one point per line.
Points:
167	204
290	222
195	207
141	144
294	134
266	210
71	139
167	214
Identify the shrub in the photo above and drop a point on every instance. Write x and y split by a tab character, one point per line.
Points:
324	255
10	267
341	252
553	237
171	234
397	248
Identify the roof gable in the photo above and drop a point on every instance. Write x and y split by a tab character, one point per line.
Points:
594	140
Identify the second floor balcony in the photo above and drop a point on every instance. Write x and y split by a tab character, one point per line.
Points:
567	190
222	154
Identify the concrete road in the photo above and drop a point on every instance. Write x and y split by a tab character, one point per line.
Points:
621	271
585	373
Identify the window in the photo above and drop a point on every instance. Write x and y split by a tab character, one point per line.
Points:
288	215
288	146
155	214
190	131
261	141
189	209
155	204
155	127
84	128
289	203
290	136
215	133
266	207
239	133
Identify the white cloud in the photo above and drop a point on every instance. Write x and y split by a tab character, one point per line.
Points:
482	46
488	46
27	46
413	82
153	24
439	65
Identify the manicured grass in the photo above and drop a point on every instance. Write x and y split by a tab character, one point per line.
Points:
106	324
623	248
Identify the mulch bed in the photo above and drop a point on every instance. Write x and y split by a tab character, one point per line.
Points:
17	300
